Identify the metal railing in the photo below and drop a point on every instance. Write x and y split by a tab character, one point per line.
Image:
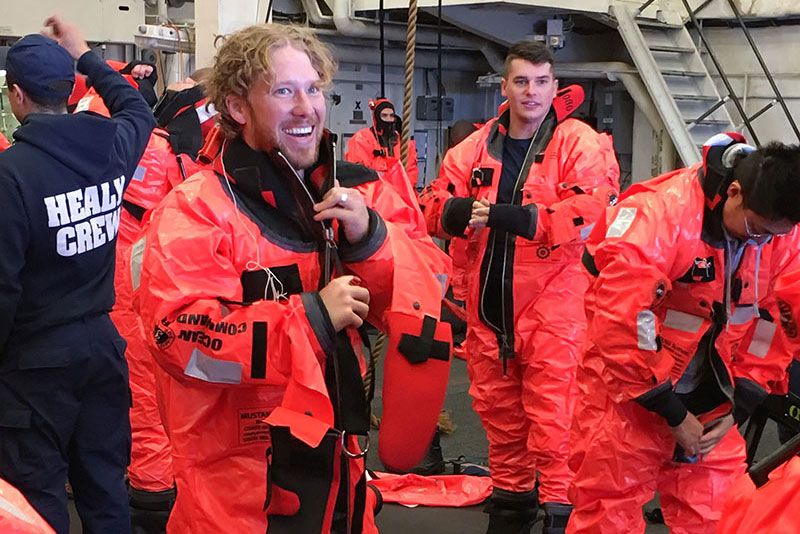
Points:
747	120
723	76
767	73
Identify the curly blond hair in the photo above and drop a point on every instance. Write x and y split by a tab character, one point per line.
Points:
246	55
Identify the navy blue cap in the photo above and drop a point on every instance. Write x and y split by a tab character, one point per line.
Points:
41	67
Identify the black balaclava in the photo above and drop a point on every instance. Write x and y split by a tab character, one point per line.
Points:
386	131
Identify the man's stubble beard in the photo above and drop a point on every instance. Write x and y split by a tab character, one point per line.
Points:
301	161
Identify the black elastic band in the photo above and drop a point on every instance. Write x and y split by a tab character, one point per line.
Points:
258	357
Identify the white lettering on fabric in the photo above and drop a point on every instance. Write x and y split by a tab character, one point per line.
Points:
86	218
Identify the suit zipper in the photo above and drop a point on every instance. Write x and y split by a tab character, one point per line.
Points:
506	349
327	231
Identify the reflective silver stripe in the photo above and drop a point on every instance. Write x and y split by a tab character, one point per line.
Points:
585	231
684	322
210	369
442	278
137	253
204	114
140	173
622	222
13	510
646	329
742	314
762	338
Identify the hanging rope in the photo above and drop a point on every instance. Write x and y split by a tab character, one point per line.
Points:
408	94
374	356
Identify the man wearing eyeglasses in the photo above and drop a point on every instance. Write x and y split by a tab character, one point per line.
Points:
682	337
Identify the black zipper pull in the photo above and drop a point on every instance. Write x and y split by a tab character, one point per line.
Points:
330	244
506	352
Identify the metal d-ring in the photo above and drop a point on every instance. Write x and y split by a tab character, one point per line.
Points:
359	454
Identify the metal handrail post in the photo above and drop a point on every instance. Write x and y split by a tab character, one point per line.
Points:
644	6
710	110
763	110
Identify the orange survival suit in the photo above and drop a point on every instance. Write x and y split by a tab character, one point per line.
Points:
378	147
771	507
525	289
229	294
17	516
168	159
674	325
768	509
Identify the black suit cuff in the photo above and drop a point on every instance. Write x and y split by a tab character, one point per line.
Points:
663	401
519	220
456	215
369	245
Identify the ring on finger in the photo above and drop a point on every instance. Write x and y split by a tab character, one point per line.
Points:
343	198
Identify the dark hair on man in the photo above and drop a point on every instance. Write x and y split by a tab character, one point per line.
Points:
460	131
770	180
44	105
535	52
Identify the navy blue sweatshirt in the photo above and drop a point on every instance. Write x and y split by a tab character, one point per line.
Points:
61	186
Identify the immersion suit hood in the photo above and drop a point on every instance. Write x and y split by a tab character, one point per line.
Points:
721	154
187	116
385	130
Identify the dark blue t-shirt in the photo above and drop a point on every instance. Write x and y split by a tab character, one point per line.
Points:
514	151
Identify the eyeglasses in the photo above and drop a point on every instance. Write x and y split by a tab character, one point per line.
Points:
750	233
757	236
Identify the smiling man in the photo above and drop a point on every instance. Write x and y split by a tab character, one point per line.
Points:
524	190
682	337
255	275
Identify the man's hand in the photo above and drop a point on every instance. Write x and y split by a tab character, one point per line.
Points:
480	214
688	434
141	71
347	303
348	207
714	431
67	36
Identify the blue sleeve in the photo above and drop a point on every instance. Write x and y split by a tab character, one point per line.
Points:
14	222
128	109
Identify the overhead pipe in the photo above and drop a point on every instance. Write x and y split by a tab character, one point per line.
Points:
426	59
351	26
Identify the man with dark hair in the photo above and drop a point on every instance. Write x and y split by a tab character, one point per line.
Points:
378	147
533	52
681	342
64	394
524	190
